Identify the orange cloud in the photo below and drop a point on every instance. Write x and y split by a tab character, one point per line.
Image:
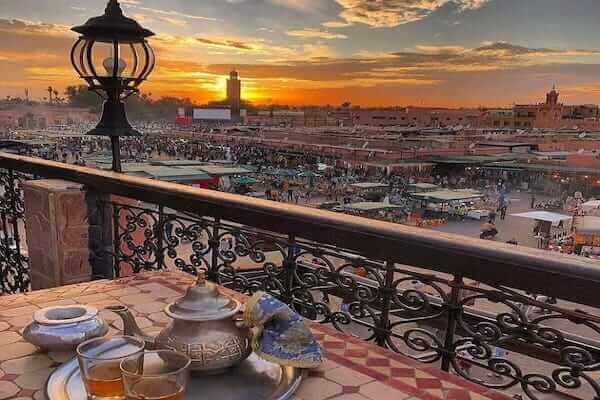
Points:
390	13
309	33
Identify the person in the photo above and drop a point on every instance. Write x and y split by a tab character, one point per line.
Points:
532	201
492	216
462	212
489	229
285	189
503	212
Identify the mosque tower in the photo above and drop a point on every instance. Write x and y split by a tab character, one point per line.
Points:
234	95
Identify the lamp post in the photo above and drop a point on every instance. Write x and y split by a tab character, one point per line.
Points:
114	58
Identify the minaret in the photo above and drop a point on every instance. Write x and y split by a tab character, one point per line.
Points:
552	96
234	95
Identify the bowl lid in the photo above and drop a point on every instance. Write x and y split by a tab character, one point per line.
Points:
203	302
61	315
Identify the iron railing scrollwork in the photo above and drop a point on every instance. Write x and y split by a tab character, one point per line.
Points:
14	263
432	318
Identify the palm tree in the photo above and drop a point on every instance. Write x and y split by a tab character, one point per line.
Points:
50	91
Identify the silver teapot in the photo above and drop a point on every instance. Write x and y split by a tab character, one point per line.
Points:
203	327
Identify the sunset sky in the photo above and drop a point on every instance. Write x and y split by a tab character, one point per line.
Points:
369	52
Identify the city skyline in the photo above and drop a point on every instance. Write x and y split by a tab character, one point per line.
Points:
460	53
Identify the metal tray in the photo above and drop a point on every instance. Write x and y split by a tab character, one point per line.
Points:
254	379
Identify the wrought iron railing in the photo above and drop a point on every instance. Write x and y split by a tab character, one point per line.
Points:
14	263
455	302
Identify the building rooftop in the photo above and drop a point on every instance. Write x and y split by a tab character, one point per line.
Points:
442	196
368	206
219	170
369	185
169	174
177	163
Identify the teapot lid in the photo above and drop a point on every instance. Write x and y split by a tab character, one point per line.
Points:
203	302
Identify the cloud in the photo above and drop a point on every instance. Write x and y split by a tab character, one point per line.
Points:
226	43
318	51
309	33
508	49
168	15
305	6
390	13
23	27
298	5
336	24
489	56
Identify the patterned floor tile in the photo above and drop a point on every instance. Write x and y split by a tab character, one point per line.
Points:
380	391
347	376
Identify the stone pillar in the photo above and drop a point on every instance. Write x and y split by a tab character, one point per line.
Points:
60	239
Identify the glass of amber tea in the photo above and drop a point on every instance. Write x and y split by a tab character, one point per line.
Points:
100	360
156	375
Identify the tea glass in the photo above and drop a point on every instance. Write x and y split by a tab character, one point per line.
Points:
156	375
99	361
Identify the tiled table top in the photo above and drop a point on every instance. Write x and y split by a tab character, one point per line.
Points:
354	370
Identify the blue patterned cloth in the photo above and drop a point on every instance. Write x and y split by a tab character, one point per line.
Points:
279	334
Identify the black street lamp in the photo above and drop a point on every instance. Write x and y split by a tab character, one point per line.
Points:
114	58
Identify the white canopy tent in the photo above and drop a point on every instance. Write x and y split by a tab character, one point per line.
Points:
547	216
590	206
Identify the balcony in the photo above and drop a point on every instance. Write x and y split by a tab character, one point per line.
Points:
458	304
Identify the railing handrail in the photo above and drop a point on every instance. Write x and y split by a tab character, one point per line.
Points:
557	275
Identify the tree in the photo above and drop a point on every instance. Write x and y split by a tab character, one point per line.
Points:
139	107
80	96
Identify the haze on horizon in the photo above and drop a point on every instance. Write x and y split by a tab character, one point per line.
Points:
371	53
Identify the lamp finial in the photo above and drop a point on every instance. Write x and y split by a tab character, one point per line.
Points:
113	8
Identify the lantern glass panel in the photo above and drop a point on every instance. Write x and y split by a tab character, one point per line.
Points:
76	58
103	55
102	52
128	60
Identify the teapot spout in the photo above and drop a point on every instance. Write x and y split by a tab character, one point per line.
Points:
130	326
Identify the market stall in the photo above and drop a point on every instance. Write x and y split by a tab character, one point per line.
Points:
376	210
243	184
446	202
587	236
369	186
422	187
591	207
370	191
549	226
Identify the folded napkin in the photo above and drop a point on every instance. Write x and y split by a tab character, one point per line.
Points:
279	334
